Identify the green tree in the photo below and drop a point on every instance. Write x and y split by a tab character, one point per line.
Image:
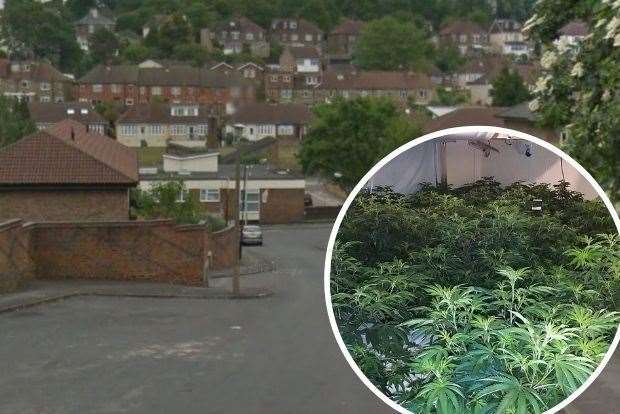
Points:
578	91
136	53
15	121
191	52
508	88
103	45
448	58
390	44
174	30
347	138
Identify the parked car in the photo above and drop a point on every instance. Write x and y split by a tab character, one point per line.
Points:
252	235
307	200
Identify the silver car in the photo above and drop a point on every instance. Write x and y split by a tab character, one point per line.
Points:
252	235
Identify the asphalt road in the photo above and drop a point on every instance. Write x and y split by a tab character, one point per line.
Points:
139	355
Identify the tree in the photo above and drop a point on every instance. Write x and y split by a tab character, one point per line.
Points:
15	121
348	137
451	96
508	88
448	58
174	30
103	45
390	44
136	53
578	91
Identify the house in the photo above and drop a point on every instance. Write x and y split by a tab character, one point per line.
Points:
300	59
279	86
296	32
34	81
94	20
155	124
64	173
404	87
131	84
505	37
466	116
252	71
573	32
239	33
521	118
480	89
256	121
46	114
467	36
342	39
267	195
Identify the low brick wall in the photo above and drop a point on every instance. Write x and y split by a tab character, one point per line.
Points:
16	265
322	212
157	250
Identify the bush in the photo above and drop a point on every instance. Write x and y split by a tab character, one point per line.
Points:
466	301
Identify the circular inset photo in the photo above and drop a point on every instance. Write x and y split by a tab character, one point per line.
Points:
476	270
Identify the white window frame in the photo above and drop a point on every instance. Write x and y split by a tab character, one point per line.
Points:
156	90
209	195
254	203
97	88
46	86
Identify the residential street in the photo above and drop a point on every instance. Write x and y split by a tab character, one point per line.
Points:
142	355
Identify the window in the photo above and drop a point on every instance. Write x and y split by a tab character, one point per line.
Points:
157	129
115	88
312	80
463	38
25	84
293	24
178	129
202	129
422	93
266	129
155	90
308	37
129	129
306	93
209	195
44	99
249	36
142	90
286	93
45	86
181	196
252	199
128	101
286	78
235	35
273	78
175	91
285	130
476	38
97	88
403	94
249	73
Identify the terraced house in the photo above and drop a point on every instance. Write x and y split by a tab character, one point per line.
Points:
44	115
155	124
296	32
131	84
238	33
342	39
34	81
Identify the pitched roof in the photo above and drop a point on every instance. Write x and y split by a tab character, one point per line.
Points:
97	18
467	116
304	52
243	24
519	111
461	27
303	26
272	114
49	112
368	80
164	76
161	113
37	70
66	154
505	25
348	27
574	28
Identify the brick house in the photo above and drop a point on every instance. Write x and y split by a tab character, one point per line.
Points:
403	87
240	32
467	36
94	20
130	84
300	59
480	89
155	124
46	114
341	40
296	32
273	196
64	173
573	32
34	81
256	121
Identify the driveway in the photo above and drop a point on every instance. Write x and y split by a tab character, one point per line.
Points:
142	355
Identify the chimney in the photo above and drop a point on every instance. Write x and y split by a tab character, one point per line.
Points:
72	134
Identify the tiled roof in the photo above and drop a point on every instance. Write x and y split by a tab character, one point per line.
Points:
519	111
38	71
461	27
49	113
505	25
160	113
166	76
100	19
304	52
468	116
303	26
272	114
66	154
574	28
242	24
348	27
369	80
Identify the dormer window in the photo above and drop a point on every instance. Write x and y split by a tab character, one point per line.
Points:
293	24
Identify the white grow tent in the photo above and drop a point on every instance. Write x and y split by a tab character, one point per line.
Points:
462	159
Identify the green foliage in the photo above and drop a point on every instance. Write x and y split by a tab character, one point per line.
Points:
162	201
390	44
578	92
509	88
451	96
103	45
15	121
349	137
448	58
465	301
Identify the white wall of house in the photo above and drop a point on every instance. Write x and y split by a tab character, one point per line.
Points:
480	94
308	65
197	163
157	135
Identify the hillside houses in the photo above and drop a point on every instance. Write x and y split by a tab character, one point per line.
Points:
94	20
342	39
34	81
467	36
257	121
505	37
130	84
296	32
238	33
44	115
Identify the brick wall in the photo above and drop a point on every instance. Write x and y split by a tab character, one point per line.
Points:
60	205
16	266
282	206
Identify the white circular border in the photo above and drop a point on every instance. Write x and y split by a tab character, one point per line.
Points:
387	159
